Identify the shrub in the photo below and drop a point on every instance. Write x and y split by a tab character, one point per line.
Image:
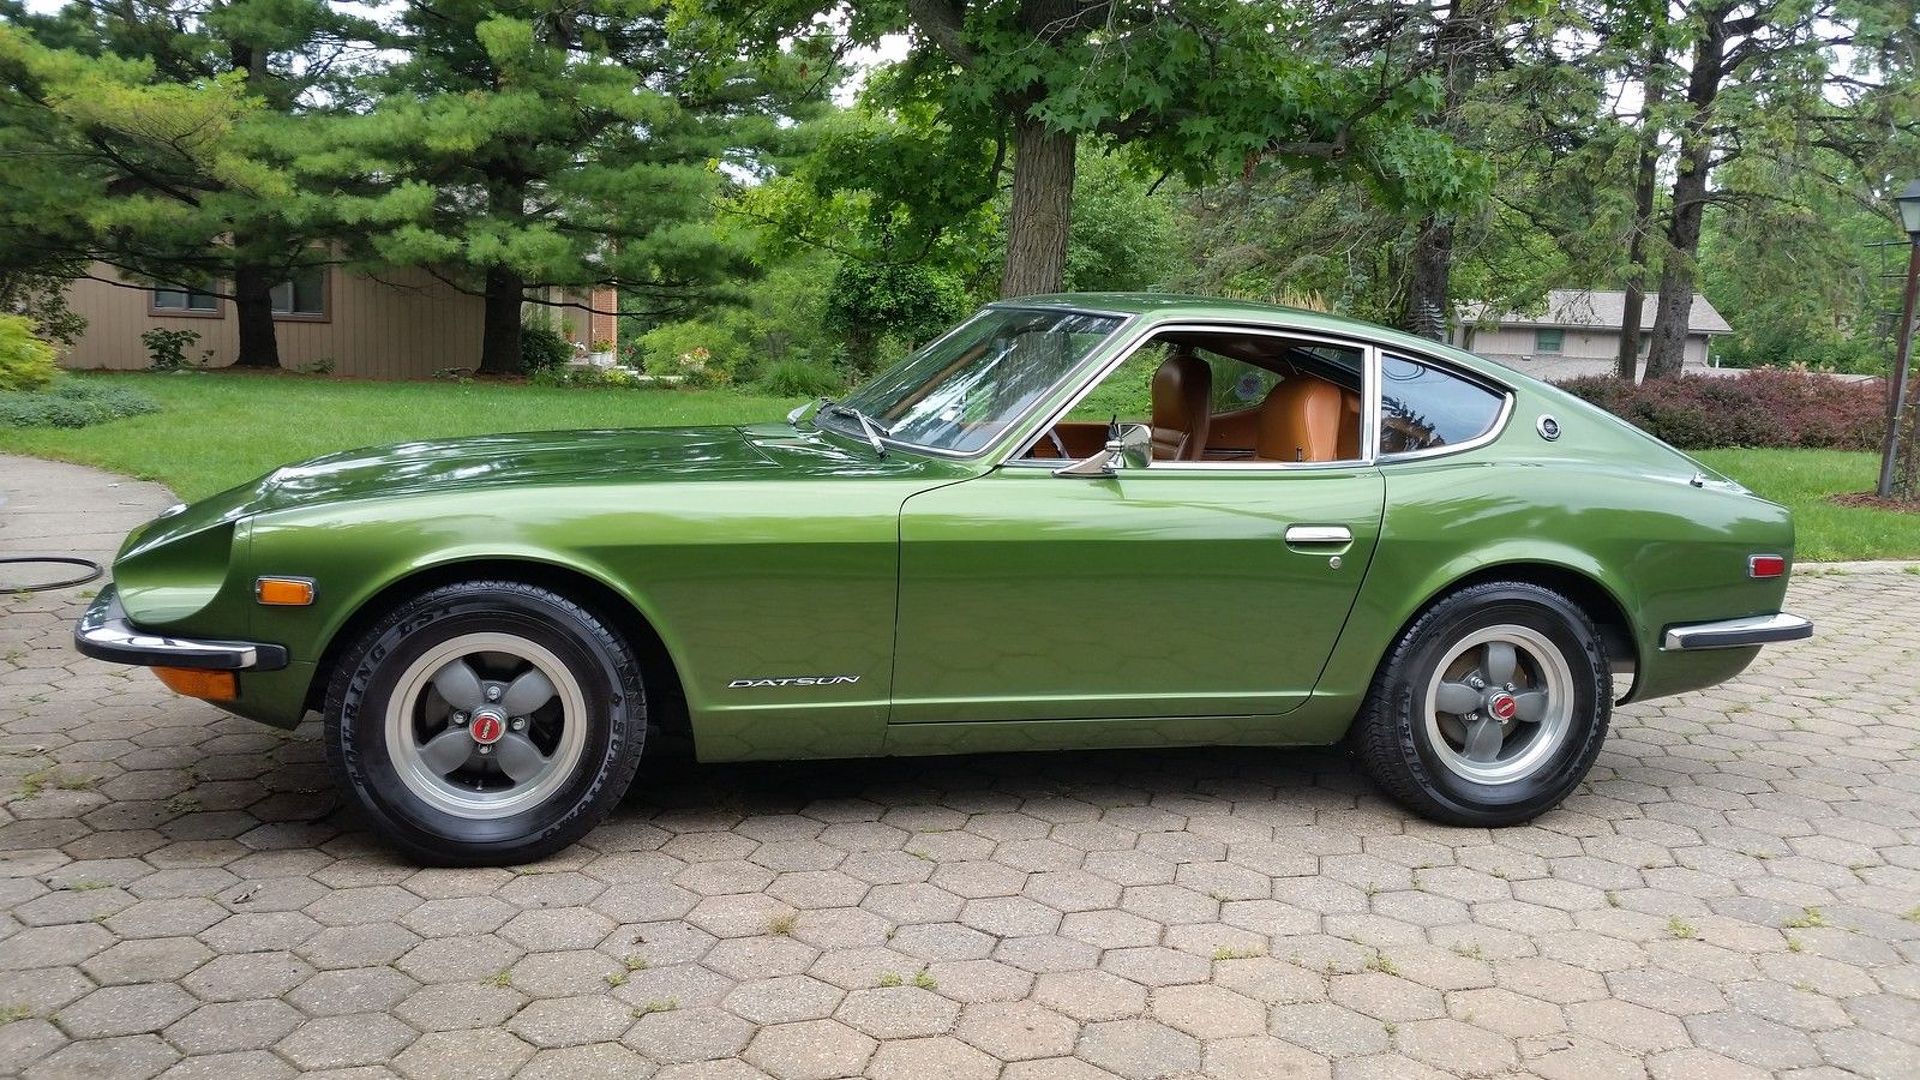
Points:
167	349
542	347
26	362
798	378
71	404
1765	407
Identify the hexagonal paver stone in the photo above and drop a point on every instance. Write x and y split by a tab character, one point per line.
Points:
596	1061
52	946
695	1034
357	946
1262	1057
135	1057
149	960
1208	1012
741	915
453	1006
1139	1049
1457	1048
1387	997
760	957
916	902
237	1065
1326	1028
338	1042
1157	965
557	928
810	1050
227	1026
897	1012
1054	1069
783	1000
255	975
460	916
1010	916
125	1010
572	1021
922	1059
1748	1038
352	990
1269	981
1090	996
455	959
1017	1030
463	1055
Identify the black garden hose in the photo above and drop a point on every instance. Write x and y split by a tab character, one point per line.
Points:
94	571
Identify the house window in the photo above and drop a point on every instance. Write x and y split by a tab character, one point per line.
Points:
1549	341
183	301
1644	342
303	296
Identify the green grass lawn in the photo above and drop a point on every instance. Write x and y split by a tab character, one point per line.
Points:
217	430
1802	480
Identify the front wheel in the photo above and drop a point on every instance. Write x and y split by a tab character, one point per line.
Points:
1490	708
486	723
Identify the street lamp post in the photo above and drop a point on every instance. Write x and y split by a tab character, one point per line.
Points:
1909	203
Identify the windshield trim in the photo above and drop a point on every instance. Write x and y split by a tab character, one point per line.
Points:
1012	427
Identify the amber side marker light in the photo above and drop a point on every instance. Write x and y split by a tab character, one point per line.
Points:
1766	566
192	682
284	591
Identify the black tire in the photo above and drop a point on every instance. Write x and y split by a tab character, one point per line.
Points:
1395	742
604	673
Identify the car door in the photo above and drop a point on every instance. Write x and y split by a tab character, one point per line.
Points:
1178	590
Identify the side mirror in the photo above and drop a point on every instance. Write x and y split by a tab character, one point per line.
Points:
1129	446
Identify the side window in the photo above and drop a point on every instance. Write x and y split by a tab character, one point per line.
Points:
1423	407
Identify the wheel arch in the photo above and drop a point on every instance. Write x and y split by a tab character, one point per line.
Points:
1599	601
666	701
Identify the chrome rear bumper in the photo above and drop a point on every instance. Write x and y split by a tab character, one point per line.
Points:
1736	633
105	634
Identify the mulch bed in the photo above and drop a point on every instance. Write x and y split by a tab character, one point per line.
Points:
1869	501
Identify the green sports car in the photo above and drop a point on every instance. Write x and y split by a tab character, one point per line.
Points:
1072	521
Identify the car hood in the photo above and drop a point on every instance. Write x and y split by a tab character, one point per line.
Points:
545	459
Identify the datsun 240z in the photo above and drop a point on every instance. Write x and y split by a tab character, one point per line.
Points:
1072	521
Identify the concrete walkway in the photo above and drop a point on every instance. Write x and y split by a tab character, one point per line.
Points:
1735	894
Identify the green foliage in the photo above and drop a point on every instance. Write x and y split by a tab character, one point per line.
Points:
799	378
167	349
875	301
26	362
1123	236
71	403
542	347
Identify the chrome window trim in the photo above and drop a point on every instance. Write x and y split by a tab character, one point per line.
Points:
1013	423
1369	399
1508	402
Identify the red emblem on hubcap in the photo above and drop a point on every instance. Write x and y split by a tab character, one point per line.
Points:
487	728
1502	706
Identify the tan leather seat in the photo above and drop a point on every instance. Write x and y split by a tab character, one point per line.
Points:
1182	407
1301	420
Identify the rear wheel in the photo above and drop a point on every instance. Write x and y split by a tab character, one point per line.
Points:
1491	707
486	722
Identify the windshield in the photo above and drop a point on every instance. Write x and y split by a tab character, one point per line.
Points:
962	390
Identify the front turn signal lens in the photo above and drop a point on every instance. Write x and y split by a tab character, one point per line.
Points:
196	683
284	591
1766	566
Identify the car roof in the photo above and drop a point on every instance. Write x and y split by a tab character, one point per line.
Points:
1167	307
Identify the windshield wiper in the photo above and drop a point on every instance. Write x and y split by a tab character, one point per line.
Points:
868	426
801	410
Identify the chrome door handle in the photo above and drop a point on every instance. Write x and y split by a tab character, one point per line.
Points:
1319	534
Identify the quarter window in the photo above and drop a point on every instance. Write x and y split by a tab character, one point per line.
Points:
172	299
302	296
1423	407
1549	341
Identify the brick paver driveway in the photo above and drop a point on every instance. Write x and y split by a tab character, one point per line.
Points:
1737	892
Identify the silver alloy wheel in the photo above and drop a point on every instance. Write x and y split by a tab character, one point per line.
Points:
486	725
1500	704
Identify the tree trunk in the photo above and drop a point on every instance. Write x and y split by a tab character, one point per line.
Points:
1432	259
1668	350
1645	185
1042	209
253	311
500	334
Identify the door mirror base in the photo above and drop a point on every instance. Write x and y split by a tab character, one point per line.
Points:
1131	448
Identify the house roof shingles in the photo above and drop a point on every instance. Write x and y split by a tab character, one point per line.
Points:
1583	308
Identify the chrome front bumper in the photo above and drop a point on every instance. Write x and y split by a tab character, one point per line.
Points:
105	634
1736	633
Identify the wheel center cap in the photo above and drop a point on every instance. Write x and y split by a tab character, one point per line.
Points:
1502	707
487	727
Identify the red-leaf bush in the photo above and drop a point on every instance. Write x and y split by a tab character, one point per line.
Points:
1775	407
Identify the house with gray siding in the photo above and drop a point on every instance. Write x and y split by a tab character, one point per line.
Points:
1577	333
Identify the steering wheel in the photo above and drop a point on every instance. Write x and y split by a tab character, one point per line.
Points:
1059	447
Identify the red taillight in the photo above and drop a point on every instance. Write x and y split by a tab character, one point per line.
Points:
1765	566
